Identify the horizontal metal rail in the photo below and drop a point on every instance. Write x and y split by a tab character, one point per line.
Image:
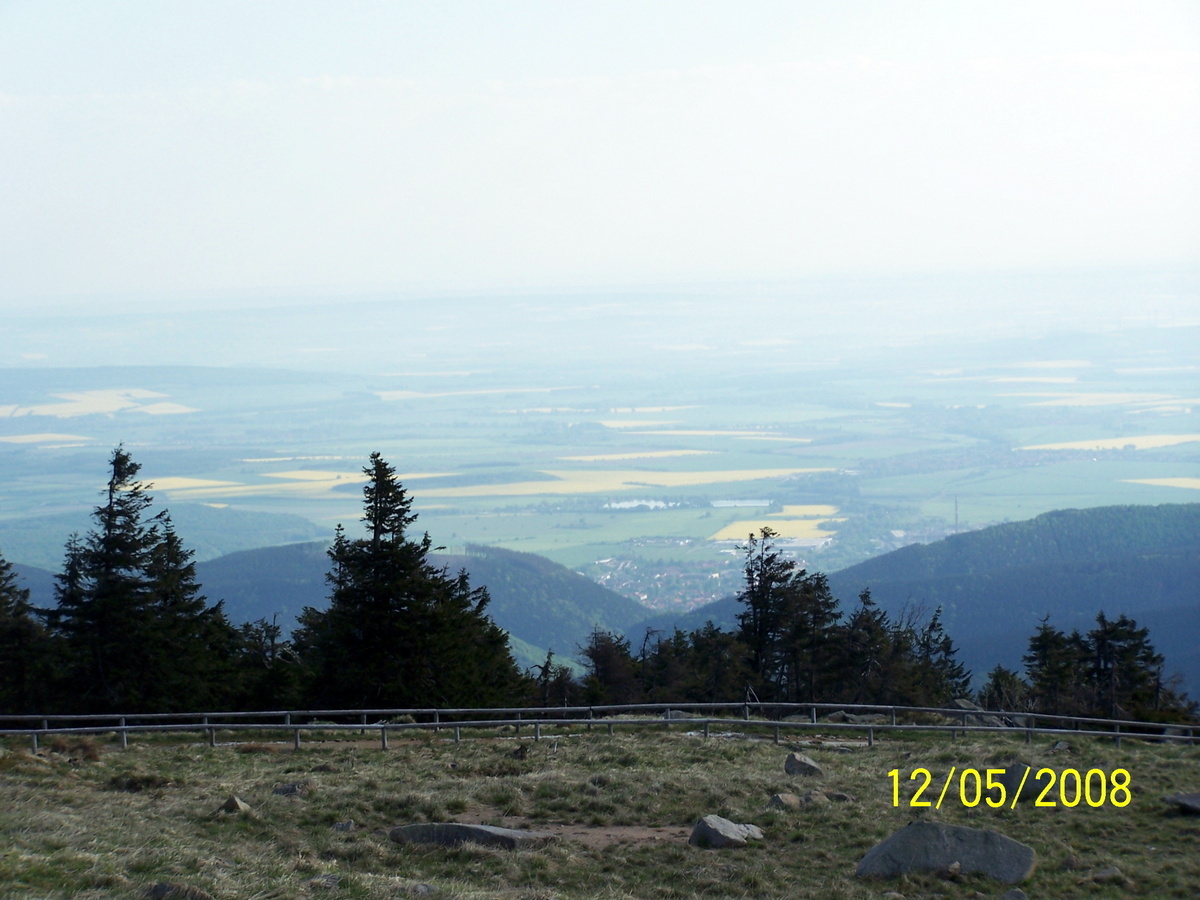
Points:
787	717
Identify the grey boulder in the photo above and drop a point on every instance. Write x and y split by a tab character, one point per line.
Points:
799	764
1188	803
934	847
717	833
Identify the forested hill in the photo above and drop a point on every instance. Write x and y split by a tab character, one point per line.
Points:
1065	564
541	602
1063	536
996	584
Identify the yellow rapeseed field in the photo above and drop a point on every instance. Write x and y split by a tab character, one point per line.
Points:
87	403
1191	483
45	438
645	454
1092	399
609	481
1138	442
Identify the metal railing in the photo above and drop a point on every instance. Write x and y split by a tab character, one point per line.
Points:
774	718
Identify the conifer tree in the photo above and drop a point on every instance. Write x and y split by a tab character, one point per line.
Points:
138	636
398	630
788	623
24	647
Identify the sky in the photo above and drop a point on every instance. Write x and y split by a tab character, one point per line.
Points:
181	152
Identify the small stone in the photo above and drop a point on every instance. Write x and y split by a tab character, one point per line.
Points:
236	804
1109	875
423	890
799	764
294	789
1060	747
785	801
840	797
818	797
170	890
348	825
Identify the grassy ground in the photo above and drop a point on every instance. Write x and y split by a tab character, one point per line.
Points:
93	821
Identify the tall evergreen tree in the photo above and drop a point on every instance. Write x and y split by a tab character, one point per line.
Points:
192	655
865	651
398	630
24	648
788	623
138	635
1056	668
1125	671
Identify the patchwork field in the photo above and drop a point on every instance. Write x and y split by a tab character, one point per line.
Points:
641	453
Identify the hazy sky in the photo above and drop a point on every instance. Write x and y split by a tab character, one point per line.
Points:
182	150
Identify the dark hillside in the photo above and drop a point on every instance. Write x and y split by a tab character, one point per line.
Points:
268	583
1067	535
537	601
995	585
541	602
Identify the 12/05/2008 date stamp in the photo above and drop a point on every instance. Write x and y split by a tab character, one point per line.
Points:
972	787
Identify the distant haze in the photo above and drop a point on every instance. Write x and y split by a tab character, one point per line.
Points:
187	154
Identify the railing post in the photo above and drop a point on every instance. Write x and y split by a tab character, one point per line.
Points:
590	717
706	728
746	711
296	739
518	725
35	746
383	737
813	714
893	715
870	737
775	733
212	737
537	731
457	734
124	735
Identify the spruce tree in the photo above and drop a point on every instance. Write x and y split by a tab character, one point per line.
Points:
138	635
399	631
24	648
192	654
788	624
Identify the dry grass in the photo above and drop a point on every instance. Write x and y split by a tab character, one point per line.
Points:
621	805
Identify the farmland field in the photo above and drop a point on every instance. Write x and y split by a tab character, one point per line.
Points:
648	449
